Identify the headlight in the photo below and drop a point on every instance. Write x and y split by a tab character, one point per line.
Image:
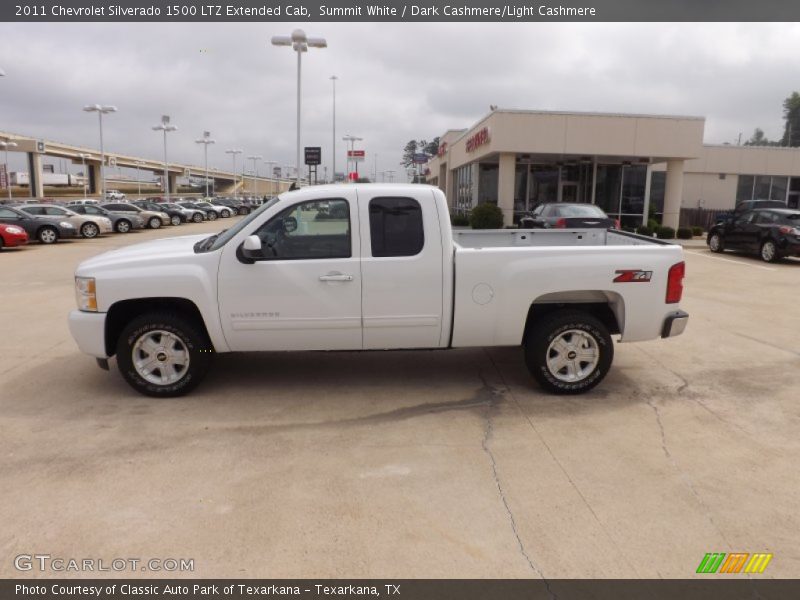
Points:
86	293
15	230
66	225
164	215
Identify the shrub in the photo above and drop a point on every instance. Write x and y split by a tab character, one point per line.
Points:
642	230
653	224
665	233
628	229
486	216
684	233
697	231
459	219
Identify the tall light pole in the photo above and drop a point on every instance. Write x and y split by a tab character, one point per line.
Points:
139	163
166	128
84	156
101	110
299	43
375	169
271	173
352	139
255	158
205	140
5	146
234	153
333	79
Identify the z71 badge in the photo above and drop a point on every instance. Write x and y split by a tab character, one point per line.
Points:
632	276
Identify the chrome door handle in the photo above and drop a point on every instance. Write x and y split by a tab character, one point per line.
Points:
335	277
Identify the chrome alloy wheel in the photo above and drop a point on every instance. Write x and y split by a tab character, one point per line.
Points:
160	357
768	251
572	355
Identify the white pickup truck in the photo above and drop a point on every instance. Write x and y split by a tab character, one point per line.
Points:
374	267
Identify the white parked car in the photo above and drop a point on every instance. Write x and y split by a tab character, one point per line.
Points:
379	269
219	209
114	195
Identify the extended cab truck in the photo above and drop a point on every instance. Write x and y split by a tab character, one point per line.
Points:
372	267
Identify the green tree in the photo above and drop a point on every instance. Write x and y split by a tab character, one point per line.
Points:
791	114
432	147
759	139
408	153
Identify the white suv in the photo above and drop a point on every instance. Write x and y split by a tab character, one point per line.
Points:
114	195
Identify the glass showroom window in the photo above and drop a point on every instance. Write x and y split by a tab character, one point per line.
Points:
463	183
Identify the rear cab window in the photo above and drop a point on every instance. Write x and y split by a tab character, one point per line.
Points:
395	226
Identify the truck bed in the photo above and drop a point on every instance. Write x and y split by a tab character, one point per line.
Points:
509	238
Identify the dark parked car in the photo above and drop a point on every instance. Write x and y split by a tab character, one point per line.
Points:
47	230
153	219
567	215
121	222
772	233
747	205
238	206
176	216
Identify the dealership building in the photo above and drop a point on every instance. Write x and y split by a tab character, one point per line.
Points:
624	163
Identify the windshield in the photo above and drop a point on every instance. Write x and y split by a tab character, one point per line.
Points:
215	242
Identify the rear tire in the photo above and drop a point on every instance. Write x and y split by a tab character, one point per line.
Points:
225	213
212	216
197	218
175	220
154	223
47	235
163	354
716	243
122	226
569	352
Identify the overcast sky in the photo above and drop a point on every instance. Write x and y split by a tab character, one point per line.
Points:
396	81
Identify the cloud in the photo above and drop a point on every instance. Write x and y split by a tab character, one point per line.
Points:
396	81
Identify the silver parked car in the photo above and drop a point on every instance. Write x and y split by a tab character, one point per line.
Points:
89	226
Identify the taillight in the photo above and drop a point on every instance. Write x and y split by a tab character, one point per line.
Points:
617	224
562	223
789	230
675	283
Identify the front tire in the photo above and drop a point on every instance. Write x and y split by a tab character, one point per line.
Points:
225	213
769	252
569	352
212	216
175	220
154	223
163	354
197	218
89	230
715	243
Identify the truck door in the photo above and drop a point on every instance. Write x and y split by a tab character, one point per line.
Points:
401	269
305	293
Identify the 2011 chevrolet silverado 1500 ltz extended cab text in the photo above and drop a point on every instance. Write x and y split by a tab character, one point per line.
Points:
374	267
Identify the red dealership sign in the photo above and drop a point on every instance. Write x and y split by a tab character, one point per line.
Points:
478	139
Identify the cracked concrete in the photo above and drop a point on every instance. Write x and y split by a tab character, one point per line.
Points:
409	464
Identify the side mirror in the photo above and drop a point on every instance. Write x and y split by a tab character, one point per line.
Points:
250	250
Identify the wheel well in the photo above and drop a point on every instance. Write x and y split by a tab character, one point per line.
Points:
600	310
121	313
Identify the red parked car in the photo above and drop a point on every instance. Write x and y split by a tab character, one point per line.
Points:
11	235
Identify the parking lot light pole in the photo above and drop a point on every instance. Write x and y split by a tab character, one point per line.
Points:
101	110
299	43
5	146
234	153
84	156
166	128
333	79
205	140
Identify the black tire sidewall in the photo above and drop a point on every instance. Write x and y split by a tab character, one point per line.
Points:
212	216
190	334
197	218
42	230
545	331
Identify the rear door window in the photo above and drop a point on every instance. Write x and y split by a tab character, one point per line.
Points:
395	227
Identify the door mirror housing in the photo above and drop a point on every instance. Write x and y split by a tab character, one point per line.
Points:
250	250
